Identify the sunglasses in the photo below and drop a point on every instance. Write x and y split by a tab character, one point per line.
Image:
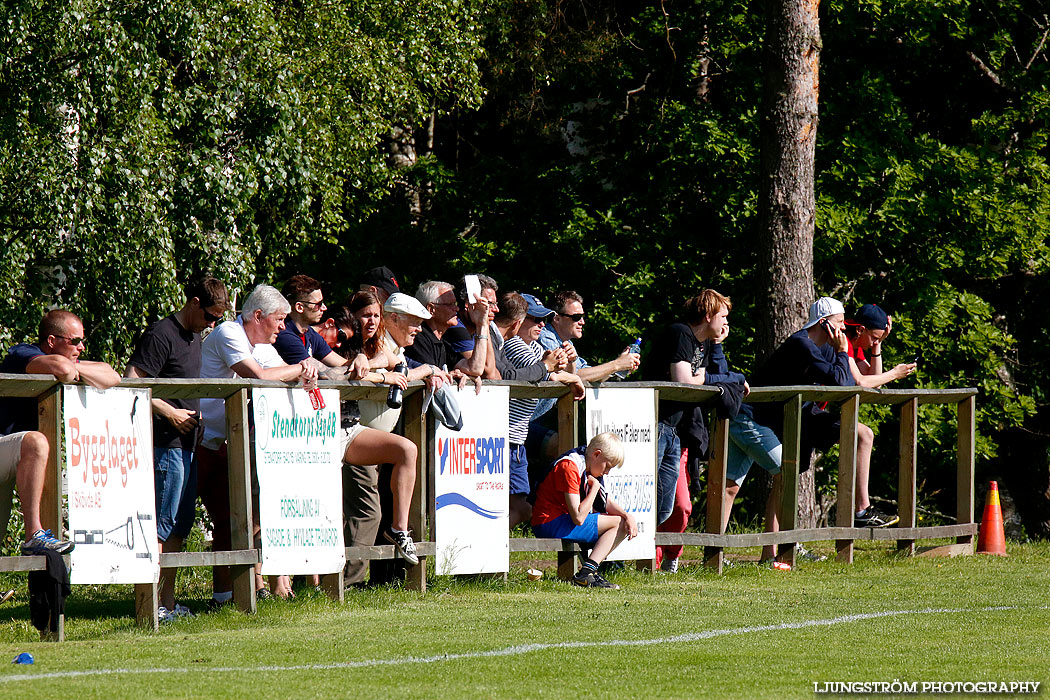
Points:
576	318
210	317
536	320
313	303
341	336
72	341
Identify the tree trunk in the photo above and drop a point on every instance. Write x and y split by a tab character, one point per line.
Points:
786	200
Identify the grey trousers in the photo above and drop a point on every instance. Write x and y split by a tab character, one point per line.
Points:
361	515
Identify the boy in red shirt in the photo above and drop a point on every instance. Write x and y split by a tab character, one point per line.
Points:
566	501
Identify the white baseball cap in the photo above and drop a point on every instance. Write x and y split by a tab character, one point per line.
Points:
822	308
402	303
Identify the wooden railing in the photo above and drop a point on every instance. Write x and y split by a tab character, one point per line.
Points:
244	556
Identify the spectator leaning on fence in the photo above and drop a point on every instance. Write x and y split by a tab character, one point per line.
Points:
462	336
522	351
430	346
866	332
298	340
23	449
681	353
817	354
381	282
571	504
239	348
171	348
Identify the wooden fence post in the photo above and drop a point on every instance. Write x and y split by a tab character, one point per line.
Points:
716	489
49	422
906	495
965	474
567	429
789	475
846	489
238	458
416	431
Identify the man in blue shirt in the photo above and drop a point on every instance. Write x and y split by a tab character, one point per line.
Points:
299	341
23	449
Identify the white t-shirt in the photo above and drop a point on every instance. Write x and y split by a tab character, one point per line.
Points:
224	347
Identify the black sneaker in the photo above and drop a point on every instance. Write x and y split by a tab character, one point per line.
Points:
873	517
404	545
592	579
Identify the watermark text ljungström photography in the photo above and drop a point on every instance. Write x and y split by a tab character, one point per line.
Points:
899	687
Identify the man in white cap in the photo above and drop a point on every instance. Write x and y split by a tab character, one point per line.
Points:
818	354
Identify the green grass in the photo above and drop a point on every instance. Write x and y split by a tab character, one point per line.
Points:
466	617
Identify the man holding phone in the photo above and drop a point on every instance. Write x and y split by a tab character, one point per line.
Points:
171	347
818	354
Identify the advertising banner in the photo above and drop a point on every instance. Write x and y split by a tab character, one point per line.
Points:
470	485
630	414
109	472
298	454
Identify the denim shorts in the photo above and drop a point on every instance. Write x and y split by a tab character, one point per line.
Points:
751	442
175	475
519	470
564	528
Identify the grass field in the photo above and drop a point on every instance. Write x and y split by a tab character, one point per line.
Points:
752	632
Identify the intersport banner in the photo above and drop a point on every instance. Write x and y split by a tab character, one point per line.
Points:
298	456
109	475
471	482
631	414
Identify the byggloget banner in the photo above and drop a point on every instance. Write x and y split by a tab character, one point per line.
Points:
630	414
109	474
298	456
470	486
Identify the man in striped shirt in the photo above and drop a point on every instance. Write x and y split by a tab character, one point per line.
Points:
523	350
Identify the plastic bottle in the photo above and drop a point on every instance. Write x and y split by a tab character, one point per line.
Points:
396	395
635	348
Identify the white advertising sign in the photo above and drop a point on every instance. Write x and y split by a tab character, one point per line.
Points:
109	471
471	482
298	456
630	414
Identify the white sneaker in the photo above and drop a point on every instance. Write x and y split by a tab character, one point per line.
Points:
669	565
164	616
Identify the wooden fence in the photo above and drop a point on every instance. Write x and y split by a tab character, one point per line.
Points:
244	556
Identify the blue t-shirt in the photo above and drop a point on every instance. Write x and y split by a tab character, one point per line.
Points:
294	347
18	414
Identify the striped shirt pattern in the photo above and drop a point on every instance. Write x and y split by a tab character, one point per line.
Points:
521	355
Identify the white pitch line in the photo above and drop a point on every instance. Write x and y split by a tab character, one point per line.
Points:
510	651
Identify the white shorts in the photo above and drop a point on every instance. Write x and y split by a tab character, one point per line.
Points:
10	453
348	435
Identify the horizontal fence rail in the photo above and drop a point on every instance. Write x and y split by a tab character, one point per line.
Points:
235	392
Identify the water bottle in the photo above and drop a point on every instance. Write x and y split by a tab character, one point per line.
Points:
396	395
634	349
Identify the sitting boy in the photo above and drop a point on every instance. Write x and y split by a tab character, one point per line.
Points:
572	508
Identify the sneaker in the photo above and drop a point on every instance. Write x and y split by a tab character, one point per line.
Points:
873	517
404	545
181	611
592	579
263	594
803	554
42	541
669	565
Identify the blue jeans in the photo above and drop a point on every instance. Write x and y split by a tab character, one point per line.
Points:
668	461
175	476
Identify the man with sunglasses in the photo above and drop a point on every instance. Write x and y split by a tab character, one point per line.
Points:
171	348
566	326
299	341
23	449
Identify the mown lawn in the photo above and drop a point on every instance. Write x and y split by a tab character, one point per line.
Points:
692	634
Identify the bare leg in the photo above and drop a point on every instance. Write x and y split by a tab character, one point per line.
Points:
377	447
29	479
772	506
732	489
865	440
611	531
520	509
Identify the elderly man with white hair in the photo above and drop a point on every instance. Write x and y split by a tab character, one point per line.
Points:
239	348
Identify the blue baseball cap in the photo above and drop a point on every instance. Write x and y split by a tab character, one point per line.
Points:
870	316
536	308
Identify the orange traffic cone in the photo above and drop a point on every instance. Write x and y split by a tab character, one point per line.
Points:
992	539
